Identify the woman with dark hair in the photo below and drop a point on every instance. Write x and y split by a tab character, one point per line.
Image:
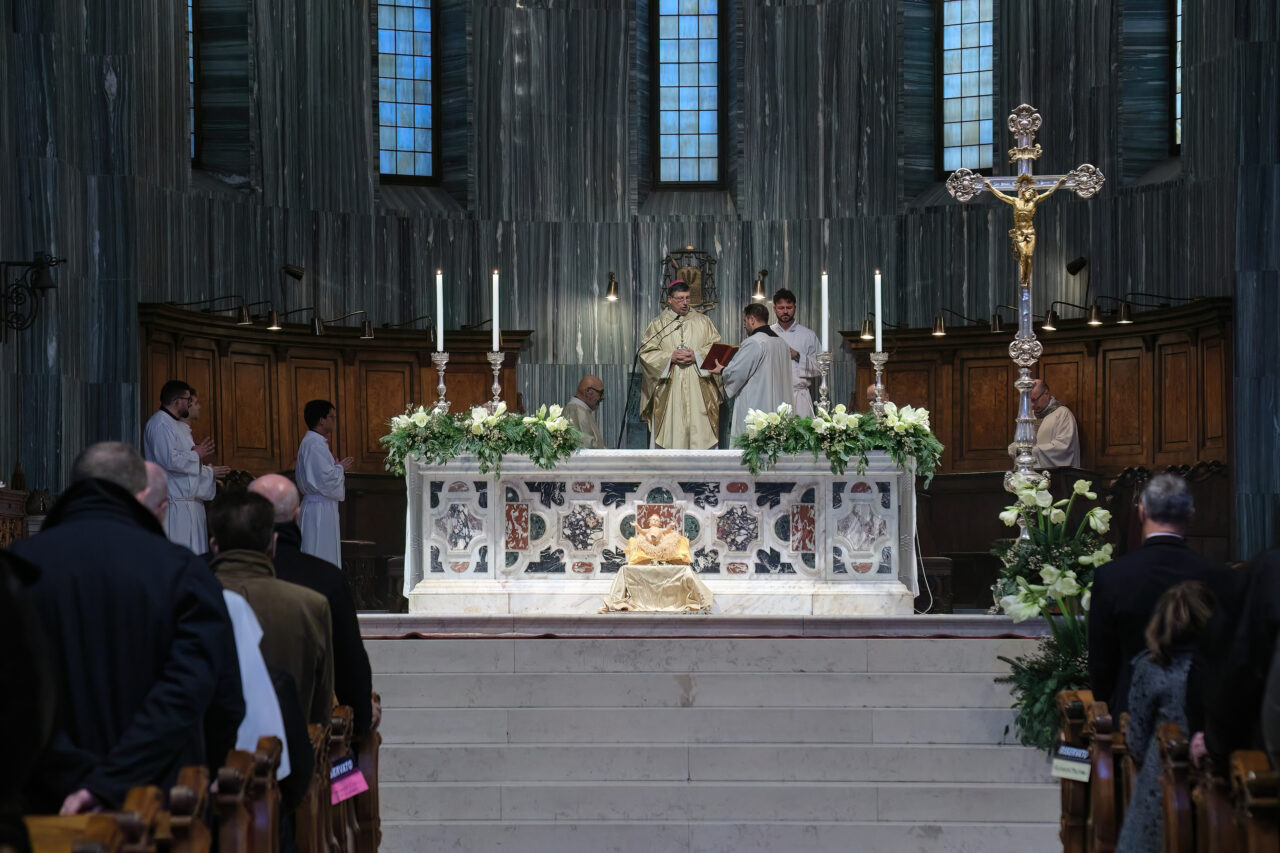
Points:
1157	694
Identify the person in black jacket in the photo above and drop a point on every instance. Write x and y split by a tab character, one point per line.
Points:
352	677
145	659
1125	590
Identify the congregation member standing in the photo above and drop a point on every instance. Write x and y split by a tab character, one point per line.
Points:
805	348
145	657
759	376
167	441
581	411
678	399
322	482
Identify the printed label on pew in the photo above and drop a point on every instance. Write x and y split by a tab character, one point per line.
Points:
345	780
1072	763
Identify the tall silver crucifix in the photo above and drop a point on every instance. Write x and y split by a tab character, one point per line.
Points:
1024	191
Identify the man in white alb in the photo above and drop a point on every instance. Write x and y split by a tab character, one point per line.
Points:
805	347
167	442
322	483
1057	436
581	411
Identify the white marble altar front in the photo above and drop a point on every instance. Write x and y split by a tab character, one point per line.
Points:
795	540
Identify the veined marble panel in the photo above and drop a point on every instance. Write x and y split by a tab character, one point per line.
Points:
794	540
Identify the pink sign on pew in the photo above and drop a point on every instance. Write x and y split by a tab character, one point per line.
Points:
345	780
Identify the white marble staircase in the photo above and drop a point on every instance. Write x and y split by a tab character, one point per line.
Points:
701	743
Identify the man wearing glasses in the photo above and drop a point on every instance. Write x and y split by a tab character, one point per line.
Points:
581	411
1057	437
167	441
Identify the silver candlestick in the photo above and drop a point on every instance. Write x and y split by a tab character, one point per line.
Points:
440	359
495	361
824	364
878	361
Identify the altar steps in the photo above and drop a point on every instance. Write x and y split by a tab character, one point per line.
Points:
775	744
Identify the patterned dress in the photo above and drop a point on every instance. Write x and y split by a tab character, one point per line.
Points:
1157	694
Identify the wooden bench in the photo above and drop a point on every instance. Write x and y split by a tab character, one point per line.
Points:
1073	821
368	810
1175	789
1103	823
1255	791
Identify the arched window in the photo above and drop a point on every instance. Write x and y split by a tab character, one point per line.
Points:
405	103
687	97
967	84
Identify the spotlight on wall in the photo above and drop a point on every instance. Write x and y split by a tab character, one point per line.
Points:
868	333
939	327
1050	323
273	321
1074	267
611	292
997	323
758	295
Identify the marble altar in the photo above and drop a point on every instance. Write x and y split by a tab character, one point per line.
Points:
795	540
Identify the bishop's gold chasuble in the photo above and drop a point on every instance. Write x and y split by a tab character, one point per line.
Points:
680	404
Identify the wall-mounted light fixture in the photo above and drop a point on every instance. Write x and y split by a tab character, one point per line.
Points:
997	323
611	292
1093	315
940	329
366	327
241	310
758	294
431	326
20	300
274	317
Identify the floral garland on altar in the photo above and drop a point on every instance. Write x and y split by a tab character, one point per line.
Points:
435	437
842	436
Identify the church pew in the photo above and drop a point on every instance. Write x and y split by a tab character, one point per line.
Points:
314	834
1175	788
264	795
1126	769
185	829
1255	789
143	810
1103	823
342	816
368	809
1215	817
1072	823
62	833
235	820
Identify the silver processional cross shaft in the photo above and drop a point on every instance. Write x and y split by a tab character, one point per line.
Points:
1024	191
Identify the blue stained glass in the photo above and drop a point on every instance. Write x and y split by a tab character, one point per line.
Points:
967	83
707	98
951	86
669	122
688	75
422	140
688	96
707	74
386	65
670	170
707	27
669	75
404	163
668	7
688	121
707	169
387	113
707	7
707	50
951	12
688	27
689	99
404	66
669	99
668	146
404	91
404	115
386	18
688	50
386	137
688	170
404	139
667	50
404	43
386	162
386	41
688	7
421	68
422	116
707	146
404	19
423	164
668	27
386	90
422	20
404	88
707	121
688	146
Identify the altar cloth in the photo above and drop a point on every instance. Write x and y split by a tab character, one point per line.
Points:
658	588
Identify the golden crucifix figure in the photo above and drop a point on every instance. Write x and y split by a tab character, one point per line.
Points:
1022	235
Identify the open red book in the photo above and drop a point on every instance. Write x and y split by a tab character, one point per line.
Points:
722	353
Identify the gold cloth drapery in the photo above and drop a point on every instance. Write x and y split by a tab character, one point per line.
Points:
658	587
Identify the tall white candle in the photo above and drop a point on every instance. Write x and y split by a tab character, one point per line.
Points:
439	310
497	331
879	321
826	314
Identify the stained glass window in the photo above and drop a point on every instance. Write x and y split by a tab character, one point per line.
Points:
406	91
1177	74
688	91
191	79
967	85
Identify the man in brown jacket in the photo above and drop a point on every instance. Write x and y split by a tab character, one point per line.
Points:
296	628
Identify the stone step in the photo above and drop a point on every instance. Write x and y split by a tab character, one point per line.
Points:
694	725
739	837
753	655
717	801
625	761
851	690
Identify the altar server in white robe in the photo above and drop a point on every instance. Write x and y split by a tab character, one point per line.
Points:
581	411
805	347
1057	435
167	441
322	483
759	375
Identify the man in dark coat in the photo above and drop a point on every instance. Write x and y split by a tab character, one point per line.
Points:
146	663
1126	589
352	676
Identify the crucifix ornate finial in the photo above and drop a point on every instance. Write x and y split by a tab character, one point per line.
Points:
1024	191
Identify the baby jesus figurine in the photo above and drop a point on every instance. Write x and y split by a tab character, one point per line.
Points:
658	543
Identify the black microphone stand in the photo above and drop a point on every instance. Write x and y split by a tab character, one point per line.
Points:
631	378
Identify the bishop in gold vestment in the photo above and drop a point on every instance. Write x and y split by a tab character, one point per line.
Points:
679	400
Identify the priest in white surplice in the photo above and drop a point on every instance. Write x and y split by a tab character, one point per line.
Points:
678	399
581	411
322	483
1057	436
805	347
167	441
759	376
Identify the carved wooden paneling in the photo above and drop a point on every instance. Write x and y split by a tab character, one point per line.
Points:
384	389
251	435
986	413
158	368
200	370
1124	423
1213	395
308	379
1175	416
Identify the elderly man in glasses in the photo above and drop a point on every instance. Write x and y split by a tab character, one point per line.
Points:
581	411
167	441
1057	435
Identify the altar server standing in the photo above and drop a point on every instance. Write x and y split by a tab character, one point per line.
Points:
759	376
322	482
679	400
167	441
805	347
